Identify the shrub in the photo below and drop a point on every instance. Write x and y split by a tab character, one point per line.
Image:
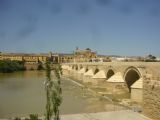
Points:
33	117
17	118
7	66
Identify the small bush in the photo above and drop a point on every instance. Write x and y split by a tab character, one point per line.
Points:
17	118
7	66
33	117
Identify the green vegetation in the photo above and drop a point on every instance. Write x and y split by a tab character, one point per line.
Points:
7	66
53	92
33	117
17	118
150	58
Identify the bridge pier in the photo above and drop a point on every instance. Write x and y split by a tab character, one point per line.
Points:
66	70
99	78
75	74
136	91
87	77
72	73
116	81
80	74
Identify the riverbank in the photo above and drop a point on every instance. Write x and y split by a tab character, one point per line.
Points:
90	90
115	103
117	100
116	115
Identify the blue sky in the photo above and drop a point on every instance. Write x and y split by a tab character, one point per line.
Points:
119	27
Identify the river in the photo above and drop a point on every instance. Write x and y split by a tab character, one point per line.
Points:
23	93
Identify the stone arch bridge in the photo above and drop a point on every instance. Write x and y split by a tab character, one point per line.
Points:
133	76
130	74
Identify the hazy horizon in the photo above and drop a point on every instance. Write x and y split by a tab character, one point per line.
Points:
110	27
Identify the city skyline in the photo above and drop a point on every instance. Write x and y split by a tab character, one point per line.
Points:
110	27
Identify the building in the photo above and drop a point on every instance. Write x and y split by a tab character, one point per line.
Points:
66	58
11	56
27	58
77	56
84	55
101	58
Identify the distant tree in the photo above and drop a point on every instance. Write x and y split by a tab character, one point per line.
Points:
11	66
17	118
33	116
150	58
88	49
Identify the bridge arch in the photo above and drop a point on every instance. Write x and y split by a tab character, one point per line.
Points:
131	75
96	71
72	67
76	67
80	67
110	73
86	69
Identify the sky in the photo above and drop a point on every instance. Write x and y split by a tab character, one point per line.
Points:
110	27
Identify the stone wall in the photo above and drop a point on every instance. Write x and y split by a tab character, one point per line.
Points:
151	97
30	66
